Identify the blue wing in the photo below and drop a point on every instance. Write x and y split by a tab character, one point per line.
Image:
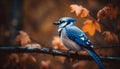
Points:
76	35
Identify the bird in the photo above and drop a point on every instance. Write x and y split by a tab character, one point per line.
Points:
74	38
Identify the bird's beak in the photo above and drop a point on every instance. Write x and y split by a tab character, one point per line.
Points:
57	23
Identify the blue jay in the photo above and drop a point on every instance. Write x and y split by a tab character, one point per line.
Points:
73	38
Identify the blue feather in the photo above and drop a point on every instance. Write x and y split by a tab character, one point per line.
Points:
76	35
95	57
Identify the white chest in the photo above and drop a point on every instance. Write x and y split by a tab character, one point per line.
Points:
69	43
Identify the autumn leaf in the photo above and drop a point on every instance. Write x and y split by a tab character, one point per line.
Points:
75	8
45	64
110	37
80	65
79	10
109	11
102	13
33	59
91	27
23	38
24	57
114	13
84	13
97	27
13	58
61	59
28	59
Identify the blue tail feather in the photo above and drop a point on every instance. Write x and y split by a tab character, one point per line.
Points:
96	58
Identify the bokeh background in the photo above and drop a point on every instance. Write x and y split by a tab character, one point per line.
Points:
36	17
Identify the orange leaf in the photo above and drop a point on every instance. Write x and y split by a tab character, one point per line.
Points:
88	21
23	38
109	11
84	13
85	28
45	64
80	65
97	26
75	8
91	27
79	10
114	12
13	58
110	37
91	30
103	12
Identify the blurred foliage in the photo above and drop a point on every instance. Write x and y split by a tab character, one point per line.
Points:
98	18
79	10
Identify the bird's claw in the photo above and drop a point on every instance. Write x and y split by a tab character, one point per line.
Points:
76	53
68	55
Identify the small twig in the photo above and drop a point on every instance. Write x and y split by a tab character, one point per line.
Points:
54	52
112	46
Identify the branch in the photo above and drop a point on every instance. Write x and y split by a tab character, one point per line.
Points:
54	53
112	46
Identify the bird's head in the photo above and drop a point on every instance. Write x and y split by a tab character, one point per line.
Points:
63	22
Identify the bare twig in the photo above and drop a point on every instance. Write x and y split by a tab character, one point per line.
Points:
54	52
112	46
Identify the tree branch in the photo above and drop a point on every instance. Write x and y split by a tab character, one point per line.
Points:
111	46
54	53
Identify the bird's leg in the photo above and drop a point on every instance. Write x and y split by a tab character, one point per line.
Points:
68	52
77	53
68	55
